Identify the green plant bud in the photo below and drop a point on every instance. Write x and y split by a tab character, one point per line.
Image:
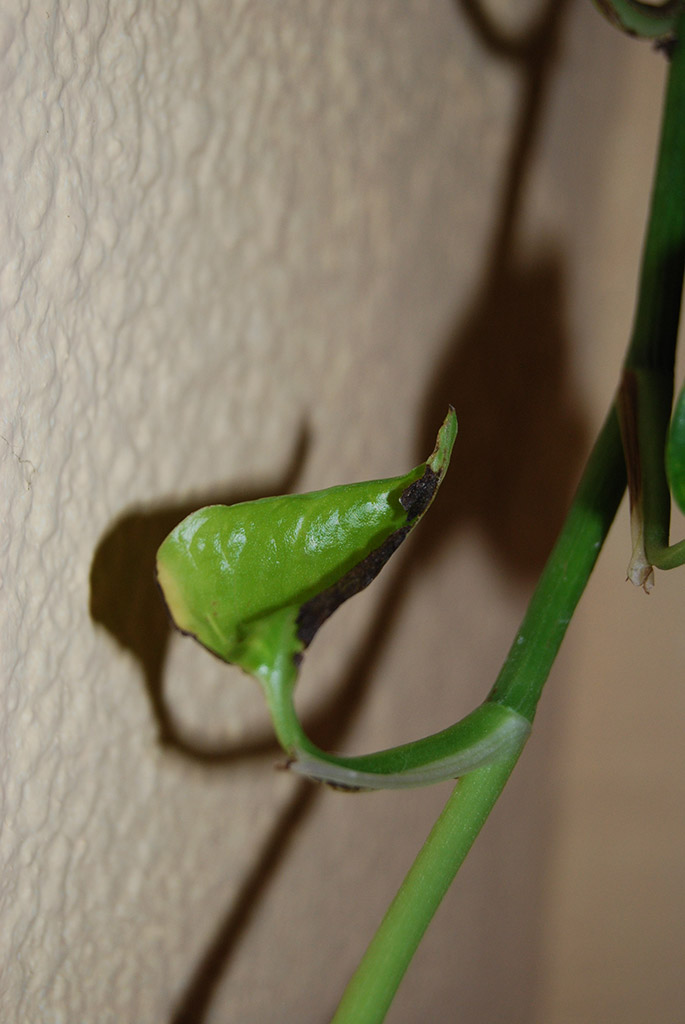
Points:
254	582
225	569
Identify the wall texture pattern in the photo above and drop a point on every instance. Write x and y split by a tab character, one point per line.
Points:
248	247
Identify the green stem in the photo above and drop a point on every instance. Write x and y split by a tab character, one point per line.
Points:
368	996
647	388
490	732
524	673
519	685
568	569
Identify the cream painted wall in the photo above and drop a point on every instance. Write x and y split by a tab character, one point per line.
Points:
249	247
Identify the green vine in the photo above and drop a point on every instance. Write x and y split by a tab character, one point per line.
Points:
254	582
652	350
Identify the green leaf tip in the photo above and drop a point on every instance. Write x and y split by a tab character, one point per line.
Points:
225	571
447	435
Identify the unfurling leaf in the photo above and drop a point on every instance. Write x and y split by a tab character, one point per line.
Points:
254	582
227	569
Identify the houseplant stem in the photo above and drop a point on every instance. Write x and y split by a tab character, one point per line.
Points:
522	678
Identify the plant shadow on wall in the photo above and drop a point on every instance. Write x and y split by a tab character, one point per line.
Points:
521	436
521	440
125	598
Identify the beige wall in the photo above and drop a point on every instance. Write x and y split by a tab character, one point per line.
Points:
249	247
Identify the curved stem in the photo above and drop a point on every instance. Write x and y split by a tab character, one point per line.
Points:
491	732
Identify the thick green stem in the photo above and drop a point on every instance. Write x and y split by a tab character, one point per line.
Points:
371	990
565	575
647	386
525	672
519	685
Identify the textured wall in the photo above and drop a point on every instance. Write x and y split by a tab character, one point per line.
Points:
248	247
